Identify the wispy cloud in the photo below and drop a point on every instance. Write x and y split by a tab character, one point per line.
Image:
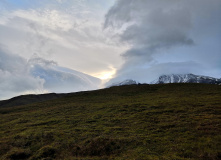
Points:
69	32
38	75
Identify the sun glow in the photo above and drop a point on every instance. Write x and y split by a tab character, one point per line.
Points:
106	75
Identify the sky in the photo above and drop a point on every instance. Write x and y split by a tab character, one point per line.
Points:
54	45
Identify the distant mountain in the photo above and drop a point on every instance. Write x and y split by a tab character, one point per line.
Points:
186	78
123	83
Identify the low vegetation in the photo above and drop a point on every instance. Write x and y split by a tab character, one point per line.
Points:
155	122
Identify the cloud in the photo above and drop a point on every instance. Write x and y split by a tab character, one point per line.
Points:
155	25
60	79
15	77
69	32
153	37
38	75
35	59
152	72
153	28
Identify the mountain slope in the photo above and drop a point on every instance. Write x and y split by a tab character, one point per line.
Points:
185	78
174	121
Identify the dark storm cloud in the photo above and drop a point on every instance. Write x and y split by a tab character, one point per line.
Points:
153	27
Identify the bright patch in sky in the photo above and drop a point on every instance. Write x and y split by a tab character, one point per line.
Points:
106	75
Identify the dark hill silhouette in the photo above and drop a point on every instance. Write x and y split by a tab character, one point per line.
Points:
29	99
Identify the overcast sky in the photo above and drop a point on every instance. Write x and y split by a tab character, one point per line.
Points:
112	40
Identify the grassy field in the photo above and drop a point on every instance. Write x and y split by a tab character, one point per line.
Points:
155	122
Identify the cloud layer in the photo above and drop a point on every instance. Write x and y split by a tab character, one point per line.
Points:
137	39
69	32
37	75
165	27
15	78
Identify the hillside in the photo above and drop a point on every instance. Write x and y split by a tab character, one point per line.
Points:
163	121
28	99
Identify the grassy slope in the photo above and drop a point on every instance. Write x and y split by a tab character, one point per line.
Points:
28	99
173	121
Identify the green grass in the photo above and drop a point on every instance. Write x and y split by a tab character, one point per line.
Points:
156	122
